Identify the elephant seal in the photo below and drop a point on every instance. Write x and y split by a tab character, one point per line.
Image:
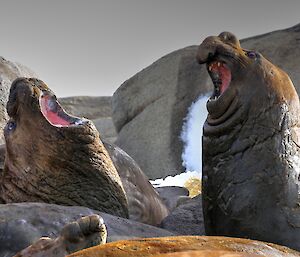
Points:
86	232
144	203
53	157
251	160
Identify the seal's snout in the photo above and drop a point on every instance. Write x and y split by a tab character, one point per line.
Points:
229	38
213	46
207	50
18	89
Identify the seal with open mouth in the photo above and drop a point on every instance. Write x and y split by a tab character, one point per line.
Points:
53	157
251	158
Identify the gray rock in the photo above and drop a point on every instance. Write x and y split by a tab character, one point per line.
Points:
149	108
9	71
98	109
186	219
23	223
173	195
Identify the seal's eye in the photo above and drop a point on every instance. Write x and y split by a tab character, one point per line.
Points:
11	125
251	54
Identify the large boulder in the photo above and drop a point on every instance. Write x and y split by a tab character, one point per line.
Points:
97	108
188	246
23	223
9	71
149	108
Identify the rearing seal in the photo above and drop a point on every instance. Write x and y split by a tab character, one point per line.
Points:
53	157
251	155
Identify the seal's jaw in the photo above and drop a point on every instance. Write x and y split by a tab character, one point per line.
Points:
54	113
220	74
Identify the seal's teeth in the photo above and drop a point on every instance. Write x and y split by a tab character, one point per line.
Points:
219	64
209	68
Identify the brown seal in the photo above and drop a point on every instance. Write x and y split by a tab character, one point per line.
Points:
86	232
144	203
53	157
251	161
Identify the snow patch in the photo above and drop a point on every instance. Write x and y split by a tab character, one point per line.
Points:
191	136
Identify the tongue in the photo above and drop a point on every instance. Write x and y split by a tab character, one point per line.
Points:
46	105
224	74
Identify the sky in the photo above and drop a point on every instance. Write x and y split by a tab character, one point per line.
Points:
90	47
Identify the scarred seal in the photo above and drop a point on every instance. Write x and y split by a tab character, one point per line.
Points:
53	157
251	164
57	142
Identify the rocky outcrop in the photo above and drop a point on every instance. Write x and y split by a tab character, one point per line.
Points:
9	71
23	223
98	109
189	213
149	108
182	247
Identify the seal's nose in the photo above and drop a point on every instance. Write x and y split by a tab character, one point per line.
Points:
207	49
212	45
229	38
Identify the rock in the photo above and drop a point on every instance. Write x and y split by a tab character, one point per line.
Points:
149	108
214	246
186	219
207	253
193	184
172	195
98	109
9	71
23	223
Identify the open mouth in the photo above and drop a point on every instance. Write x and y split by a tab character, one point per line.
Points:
221	77
54	113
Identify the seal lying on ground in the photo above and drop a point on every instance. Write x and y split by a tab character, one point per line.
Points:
251	160
53	157
144	202
86	232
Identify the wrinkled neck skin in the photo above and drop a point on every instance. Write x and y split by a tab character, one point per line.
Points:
71	168
251	162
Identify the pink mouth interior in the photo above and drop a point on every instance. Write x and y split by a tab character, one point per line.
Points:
224	74
51	110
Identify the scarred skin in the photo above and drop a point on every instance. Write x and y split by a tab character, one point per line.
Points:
60	145
250	143
44	163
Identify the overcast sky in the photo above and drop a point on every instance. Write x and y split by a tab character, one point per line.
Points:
90	47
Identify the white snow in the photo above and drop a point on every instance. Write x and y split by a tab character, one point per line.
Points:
192	153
